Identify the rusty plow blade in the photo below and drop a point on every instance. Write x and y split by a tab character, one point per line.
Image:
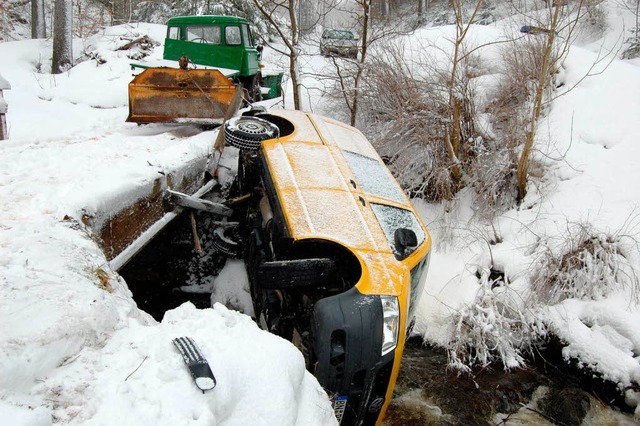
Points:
173	95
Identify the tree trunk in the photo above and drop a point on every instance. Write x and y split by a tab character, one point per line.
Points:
293	56
523	163
385	8
121	11
62	57
421	10
38	26
366	14
290	40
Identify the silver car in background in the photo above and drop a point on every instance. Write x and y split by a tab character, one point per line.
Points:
339	42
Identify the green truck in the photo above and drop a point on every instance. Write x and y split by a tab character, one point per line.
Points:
209	58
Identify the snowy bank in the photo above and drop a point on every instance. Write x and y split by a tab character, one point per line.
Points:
74	348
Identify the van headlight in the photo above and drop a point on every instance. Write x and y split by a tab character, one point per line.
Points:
390	323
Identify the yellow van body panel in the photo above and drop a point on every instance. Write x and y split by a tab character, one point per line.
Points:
320	198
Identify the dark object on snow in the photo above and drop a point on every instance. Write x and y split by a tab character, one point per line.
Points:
529	29
196	363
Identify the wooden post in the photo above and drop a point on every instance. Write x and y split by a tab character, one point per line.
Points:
4	85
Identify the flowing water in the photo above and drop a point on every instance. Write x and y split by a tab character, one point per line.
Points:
547	393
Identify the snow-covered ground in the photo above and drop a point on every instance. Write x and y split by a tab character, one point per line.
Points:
587	142
74	348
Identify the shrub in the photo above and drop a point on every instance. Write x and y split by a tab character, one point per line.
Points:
584	265
494	327
406	115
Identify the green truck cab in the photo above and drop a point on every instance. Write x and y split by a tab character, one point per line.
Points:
213	56
217	41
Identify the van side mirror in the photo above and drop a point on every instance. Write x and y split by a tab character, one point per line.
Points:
259	48
404	238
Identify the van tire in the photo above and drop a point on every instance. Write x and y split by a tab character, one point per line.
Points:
247	133
225	241
296	273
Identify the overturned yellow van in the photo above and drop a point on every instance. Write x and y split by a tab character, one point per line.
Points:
336	255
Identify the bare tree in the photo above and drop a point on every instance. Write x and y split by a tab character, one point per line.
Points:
38	26
552	55
452	134
290	37
62	57
353	102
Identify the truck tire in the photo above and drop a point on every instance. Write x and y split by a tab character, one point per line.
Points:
246	133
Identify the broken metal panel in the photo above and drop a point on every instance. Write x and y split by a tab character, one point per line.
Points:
191	202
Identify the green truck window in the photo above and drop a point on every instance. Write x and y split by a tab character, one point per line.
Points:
173	33
232	36
246	34
209	35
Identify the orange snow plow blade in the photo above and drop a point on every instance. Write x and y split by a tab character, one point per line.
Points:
173	95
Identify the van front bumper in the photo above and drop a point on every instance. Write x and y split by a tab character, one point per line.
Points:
347	342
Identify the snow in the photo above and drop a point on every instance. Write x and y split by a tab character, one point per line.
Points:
587	141
74	348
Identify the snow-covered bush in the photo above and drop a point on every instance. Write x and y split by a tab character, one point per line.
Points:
405	122
509	115
586	264
495	326
632	45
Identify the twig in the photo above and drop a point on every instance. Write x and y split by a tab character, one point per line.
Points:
142	362
194	229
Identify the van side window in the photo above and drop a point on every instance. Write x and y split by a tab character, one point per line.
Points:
232	36
173	33
392	218
374	177
210	35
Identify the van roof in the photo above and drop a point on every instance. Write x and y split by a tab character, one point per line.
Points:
323	194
